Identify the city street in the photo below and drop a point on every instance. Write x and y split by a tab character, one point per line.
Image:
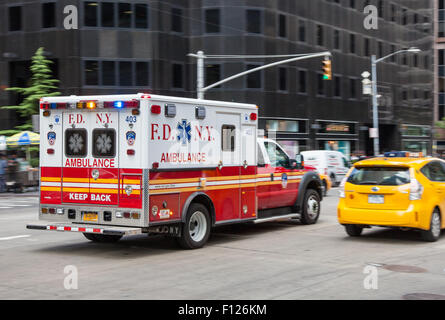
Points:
278	260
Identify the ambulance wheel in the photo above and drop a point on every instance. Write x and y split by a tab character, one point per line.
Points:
353	230
196	229
311	207
433	233
102	237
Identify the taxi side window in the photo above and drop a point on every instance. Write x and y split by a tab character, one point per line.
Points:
277	156
434	171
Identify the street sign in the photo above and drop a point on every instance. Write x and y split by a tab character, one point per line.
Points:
373	133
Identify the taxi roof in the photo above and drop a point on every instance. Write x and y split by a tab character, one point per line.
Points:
395	162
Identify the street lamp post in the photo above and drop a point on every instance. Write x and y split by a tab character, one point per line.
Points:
375	114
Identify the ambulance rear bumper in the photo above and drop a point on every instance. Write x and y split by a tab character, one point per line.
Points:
84	228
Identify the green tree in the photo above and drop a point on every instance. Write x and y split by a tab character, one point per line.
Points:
41	85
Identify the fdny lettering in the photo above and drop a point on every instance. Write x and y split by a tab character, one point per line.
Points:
183	157
164	132
75	118
88	163
102	118
94	197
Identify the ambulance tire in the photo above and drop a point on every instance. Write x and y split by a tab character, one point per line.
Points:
104	238
311	207
196	229
433	234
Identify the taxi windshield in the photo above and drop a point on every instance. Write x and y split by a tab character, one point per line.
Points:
382	176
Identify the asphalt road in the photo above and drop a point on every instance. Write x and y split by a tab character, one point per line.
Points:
277	260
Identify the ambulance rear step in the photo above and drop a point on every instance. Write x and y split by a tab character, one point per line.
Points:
85	228
285	216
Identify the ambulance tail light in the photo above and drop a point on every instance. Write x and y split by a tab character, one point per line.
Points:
131	152
50	151
415	187
155	165
253	116
155	109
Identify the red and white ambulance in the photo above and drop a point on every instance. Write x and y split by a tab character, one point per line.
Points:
118	165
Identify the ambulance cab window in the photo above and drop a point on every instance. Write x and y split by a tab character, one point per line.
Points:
104	143
277	157
228	138
76	143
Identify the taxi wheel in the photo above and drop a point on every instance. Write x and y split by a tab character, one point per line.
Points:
196	229
433	233
102	237
353	230
311	207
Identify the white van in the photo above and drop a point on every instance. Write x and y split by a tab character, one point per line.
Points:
331	163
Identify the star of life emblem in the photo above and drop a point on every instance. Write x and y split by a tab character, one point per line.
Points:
184	130
75	143
103	143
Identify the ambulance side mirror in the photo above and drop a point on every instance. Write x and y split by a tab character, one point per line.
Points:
298	163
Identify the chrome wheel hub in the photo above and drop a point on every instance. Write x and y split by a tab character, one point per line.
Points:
197	226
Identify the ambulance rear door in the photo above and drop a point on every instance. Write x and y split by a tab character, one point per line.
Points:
90	158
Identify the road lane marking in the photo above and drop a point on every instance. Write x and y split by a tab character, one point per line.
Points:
5	207
15	237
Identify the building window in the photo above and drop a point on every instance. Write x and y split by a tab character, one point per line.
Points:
320	84
253	21
90	11
212	21
336	39
380	8
108	73
352	43
91	73
254	78
142	74
352	88
393	57
393	13
15	18
441	19
337	86
141	16
380	49
213	74
282	79
320	40
282	26
302	31
404	17
107	11
124	15
49	15
352	4
367	47
125	73
176	20
177	76
302	80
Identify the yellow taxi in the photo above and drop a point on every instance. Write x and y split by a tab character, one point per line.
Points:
405	192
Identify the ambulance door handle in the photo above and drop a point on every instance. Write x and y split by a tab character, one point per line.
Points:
220	165
245	164
271	177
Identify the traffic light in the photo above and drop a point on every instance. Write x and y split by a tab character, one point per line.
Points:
327	69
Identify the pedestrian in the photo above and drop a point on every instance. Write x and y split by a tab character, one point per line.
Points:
3	167
12	169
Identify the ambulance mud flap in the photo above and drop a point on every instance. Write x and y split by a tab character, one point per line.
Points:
310	180
97	229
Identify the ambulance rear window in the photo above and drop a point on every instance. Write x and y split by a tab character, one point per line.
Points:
104	143
76	143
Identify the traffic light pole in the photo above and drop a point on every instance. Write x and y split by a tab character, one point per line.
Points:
200	67
375	112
